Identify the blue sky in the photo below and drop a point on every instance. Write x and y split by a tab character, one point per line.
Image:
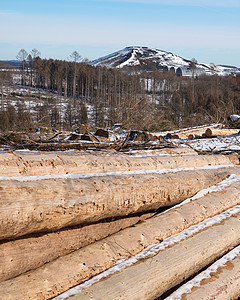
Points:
208	30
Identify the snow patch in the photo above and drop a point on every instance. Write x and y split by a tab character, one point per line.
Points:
228	143
234	117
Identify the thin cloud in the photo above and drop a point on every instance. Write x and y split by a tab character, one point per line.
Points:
8	13
208	3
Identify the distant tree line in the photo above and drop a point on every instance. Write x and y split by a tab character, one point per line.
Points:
100	97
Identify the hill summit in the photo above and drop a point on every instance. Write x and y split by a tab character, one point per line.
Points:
137	58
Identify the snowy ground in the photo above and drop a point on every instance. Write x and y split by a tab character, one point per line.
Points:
33	98
227	143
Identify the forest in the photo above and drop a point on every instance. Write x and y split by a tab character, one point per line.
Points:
101	97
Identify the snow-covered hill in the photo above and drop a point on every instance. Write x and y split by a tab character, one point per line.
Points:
136	58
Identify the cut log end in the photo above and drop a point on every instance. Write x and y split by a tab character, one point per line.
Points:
208	132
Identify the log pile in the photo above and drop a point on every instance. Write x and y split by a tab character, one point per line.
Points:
212	132
68	217
169	267
198	132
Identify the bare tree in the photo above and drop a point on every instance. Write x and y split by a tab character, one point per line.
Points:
32	59
193	66
35	53
5	75
22	56
76	57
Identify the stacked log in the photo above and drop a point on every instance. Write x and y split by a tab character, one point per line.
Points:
16	164
172	136
193	136
62	228
47	247
69	270
220	280
209	132
224	284
51	204
168	268
212	132
21	255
